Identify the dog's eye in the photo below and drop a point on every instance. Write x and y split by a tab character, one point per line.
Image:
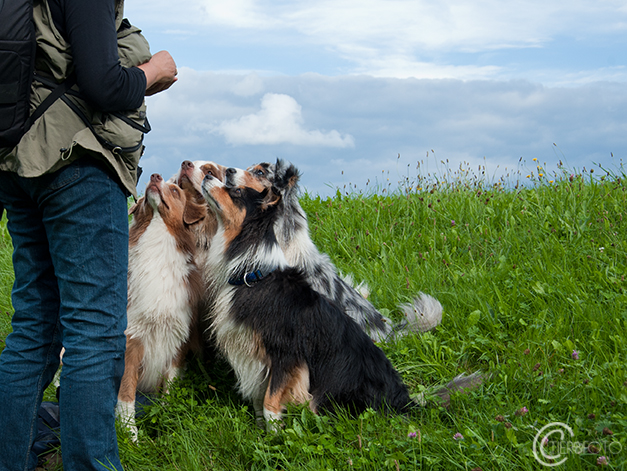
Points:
259	173
238	191
174	190
209	172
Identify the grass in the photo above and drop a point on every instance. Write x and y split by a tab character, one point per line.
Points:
6	280
532	280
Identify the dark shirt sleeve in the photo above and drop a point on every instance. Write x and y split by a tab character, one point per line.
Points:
89	27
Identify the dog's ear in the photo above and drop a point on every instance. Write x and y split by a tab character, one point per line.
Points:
271	198
194	212
286	175
136	205
292	176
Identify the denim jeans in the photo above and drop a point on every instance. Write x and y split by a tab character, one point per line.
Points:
70	239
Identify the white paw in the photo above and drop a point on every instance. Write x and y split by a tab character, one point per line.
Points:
125	412
273	420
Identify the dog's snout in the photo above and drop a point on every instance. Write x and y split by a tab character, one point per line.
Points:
155	177
187	165
230	173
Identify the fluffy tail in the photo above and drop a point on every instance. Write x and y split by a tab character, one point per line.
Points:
423	314
461	383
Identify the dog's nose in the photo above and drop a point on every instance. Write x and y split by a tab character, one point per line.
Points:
231	171
155	177
187	164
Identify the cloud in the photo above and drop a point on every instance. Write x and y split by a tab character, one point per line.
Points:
432	24
404	66
394	37
485	125
250	85
240	14
278	121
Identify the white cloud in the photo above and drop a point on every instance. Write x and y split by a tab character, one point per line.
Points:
428	24
404	66
558	78
239	14
398	38
433	24
484	125
249	85
279	121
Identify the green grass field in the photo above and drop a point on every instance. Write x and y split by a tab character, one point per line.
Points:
532	280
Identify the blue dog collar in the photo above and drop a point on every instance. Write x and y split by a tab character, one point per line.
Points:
248	278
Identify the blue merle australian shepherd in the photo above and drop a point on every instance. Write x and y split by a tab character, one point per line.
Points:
286	342
292	232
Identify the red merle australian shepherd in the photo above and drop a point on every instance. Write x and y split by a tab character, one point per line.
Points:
286	342
189	178
164	290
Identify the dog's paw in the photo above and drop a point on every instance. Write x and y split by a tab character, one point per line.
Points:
273	420
125	412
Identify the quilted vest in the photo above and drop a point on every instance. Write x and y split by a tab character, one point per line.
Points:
60	136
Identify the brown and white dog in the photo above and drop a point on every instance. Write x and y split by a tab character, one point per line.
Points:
189	177
164	289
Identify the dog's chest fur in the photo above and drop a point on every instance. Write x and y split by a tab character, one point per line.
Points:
241	346
160	306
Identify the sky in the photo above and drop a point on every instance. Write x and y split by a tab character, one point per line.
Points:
362	94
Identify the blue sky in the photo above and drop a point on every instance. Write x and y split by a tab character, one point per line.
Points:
342	87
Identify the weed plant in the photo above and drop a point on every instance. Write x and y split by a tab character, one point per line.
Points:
531	274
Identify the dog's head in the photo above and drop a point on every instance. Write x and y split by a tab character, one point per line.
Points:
282	177
233	205
189	177
190	174
169	201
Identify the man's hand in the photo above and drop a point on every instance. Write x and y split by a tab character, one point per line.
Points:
160	72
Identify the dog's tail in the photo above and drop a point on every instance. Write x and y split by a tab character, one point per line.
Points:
442	396
424	313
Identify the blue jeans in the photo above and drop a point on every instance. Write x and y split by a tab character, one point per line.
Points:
70	257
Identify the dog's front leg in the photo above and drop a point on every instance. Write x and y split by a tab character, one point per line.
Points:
294	389
272	408
258	399
125	408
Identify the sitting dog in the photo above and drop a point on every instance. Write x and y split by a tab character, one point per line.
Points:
292	232
286	342
164	291
189	177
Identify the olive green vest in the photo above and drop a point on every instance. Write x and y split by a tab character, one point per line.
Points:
59	136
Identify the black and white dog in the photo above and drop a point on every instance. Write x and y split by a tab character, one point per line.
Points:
286	342
292	232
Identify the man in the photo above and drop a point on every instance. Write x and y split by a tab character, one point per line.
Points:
65	188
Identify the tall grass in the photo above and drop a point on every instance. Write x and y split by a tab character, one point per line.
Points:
6	280
531	275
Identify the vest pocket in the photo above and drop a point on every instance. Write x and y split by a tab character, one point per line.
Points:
122	132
